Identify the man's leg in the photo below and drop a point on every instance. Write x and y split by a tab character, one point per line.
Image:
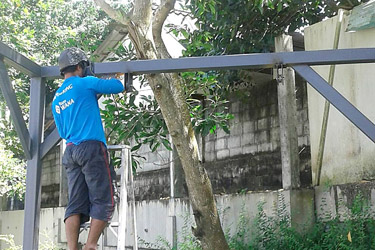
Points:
72	224
96	228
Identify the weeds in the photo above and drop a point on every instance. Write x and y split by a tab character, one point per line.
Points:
48	244
356	230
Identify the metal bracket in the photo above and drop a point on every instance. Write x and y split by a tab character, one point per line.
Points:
129	82
279	73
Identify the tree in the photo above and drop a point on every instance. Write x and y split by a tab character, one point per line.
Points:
168	91
12	175
250	26
224	27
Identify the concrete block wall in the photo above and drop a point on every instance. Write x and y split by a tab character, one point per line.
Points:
246	159
51	178
154	160
255	127
249	157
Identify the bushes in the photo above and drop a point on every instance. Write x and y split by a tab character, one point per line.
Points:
356	230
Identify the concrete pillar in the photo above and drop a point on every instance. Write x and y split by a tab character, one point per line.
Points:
288	117
299	205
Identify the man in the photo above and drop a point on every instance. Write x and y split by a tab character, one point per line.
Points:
77	117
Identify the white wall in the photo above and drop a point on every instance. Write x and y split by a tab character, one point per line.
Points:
154	218
349	154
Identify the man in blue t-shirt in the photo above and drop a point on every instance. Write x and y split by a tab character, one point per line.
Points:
77	117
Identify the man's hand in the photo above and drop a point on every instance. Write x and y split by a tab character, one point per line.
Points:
119	75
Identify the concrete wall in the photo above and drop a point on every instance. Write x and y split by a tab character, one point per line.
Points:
349	154
51	175
246	159
336	201
155	219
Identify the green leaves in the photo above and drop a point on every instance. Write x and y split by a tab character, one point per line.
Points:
250	26
207	102
135	119
12	175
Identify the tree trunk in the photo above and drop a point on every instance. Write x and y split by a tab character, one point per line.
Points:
168	92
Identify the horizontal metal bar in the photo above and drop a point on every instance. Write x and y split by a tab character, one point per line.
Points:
49	142
18	61
15	110
263	60
337	100
118	147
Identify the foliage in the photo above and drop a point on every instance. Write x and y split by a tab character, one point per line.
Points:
232	27
136	119
351	232
40	30
354	231
228	27
9	240
207	102
12	175
48	244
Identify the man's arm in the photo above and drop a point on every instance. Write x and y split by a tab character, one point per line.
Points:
104	86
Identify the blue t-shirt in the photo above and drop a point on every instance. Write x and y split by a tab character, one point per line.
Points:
76	111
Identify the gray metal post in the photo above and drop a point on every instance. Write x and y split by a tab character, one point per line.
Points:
19	61
34	166
125	156
133	209
288	120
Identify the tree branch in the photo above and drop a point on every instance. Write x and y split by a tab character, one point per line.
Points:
142	13
161	15
117	15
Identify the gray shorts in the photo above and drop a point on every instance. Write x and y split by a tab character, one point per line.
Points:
90	177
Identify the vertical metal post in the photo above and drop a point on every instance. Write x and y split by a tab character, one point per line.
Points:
133	213
172	209
123	199
34	166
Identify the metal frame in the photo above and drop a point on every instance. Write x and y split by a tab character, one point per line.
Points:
31	138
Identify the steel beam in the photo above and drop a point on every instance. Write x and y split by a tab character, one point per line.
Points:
337	100
262	60
19	61
15	110
49	142
34	166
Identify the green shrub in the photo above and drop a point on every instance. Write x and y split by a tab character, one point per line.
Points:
356	230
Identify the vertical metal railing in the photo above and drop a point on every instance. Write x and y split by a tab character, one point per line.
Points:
126	181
